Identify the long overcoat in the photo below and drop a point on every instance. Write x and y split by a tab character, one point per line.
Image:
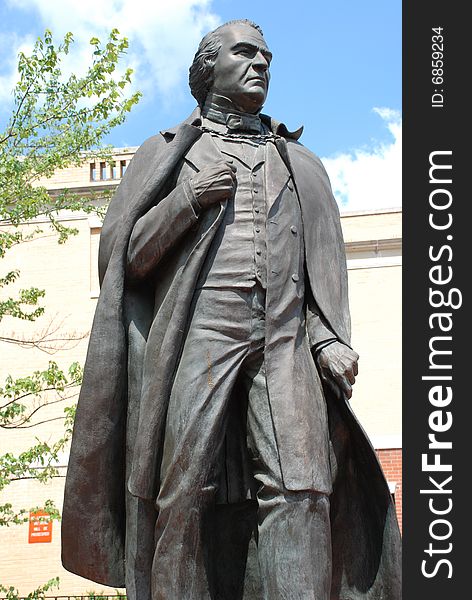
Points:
137	331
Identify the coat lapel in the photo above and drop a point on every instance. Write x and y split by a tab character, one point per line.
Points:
275	178
203	155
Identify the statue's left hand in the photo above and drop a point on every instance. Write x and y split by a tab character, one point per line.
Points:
338	366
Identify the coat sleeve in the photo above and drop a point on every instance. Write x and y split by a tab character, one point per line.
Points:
159	229
319	332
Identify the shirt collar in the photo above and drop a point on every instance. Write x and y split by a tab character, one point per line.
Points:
275	126
221	110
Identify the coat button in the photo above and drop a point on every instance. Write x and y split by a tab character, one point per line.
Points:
295	277
293	229
258	229
258	251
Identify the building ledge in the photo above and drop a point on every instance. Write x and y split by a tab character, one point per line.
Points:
370	211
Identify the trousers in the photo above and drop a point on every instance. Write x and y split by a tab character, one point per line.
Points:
197	555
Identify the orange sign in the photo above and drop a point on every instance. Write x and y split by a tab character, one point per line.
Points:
40	528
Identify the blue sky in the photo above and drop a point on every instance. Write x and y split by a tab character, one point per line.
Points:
336	70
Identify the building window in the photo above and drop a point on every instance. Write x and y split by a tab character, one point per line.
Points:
93	172
122	167
114	170
103	171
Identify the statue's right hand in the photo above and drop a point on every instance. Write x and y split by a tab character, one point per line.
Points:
215	183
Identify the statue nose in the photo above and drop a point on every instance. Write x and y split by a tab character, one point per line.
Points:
260	61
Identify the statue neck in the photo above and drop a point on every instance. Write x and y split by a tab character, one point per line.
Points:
222	110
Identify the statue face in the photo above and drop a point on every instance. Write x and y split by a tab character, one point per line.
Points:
241	71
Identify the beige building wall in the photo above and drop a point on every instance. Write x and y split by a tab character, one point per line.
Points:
68	274
91	175
374	256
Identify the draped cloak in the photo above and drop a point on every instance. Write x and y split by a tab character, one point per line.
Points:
104	465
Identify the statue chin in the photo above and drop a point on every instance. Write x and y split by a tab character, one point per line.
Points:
251	101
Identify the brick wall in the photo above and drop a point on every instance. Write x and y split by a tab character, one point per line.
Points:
391	461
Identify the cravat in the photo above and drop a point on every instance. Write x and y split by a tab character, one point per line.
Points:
235	121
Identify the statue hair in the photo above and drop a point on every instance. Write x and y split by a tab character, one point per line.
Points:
201	70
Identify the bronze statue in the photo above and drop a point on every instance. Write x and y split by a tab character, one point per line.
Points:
213	416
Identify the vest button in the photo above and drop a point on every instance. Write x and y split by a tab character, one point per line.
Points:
295	277
258	251
293	229
258	229
290	186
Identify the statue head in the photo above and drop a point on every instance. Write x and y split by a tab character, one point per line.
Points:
232	61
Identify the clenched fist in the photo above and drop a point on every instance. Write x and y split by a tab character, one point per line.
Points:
338	367
215	183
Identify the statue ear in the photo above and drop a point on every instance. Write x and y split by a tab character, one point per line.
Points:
209	62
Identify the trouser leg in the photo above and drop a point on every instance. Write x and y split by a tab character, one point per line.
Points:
294	546
294	534
212	355
139	547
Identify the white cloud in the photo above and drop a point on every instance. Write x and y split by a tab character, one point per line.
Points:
370	177
163	34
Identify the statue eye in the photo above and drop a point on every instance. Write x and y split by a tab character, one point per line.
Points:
247	52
